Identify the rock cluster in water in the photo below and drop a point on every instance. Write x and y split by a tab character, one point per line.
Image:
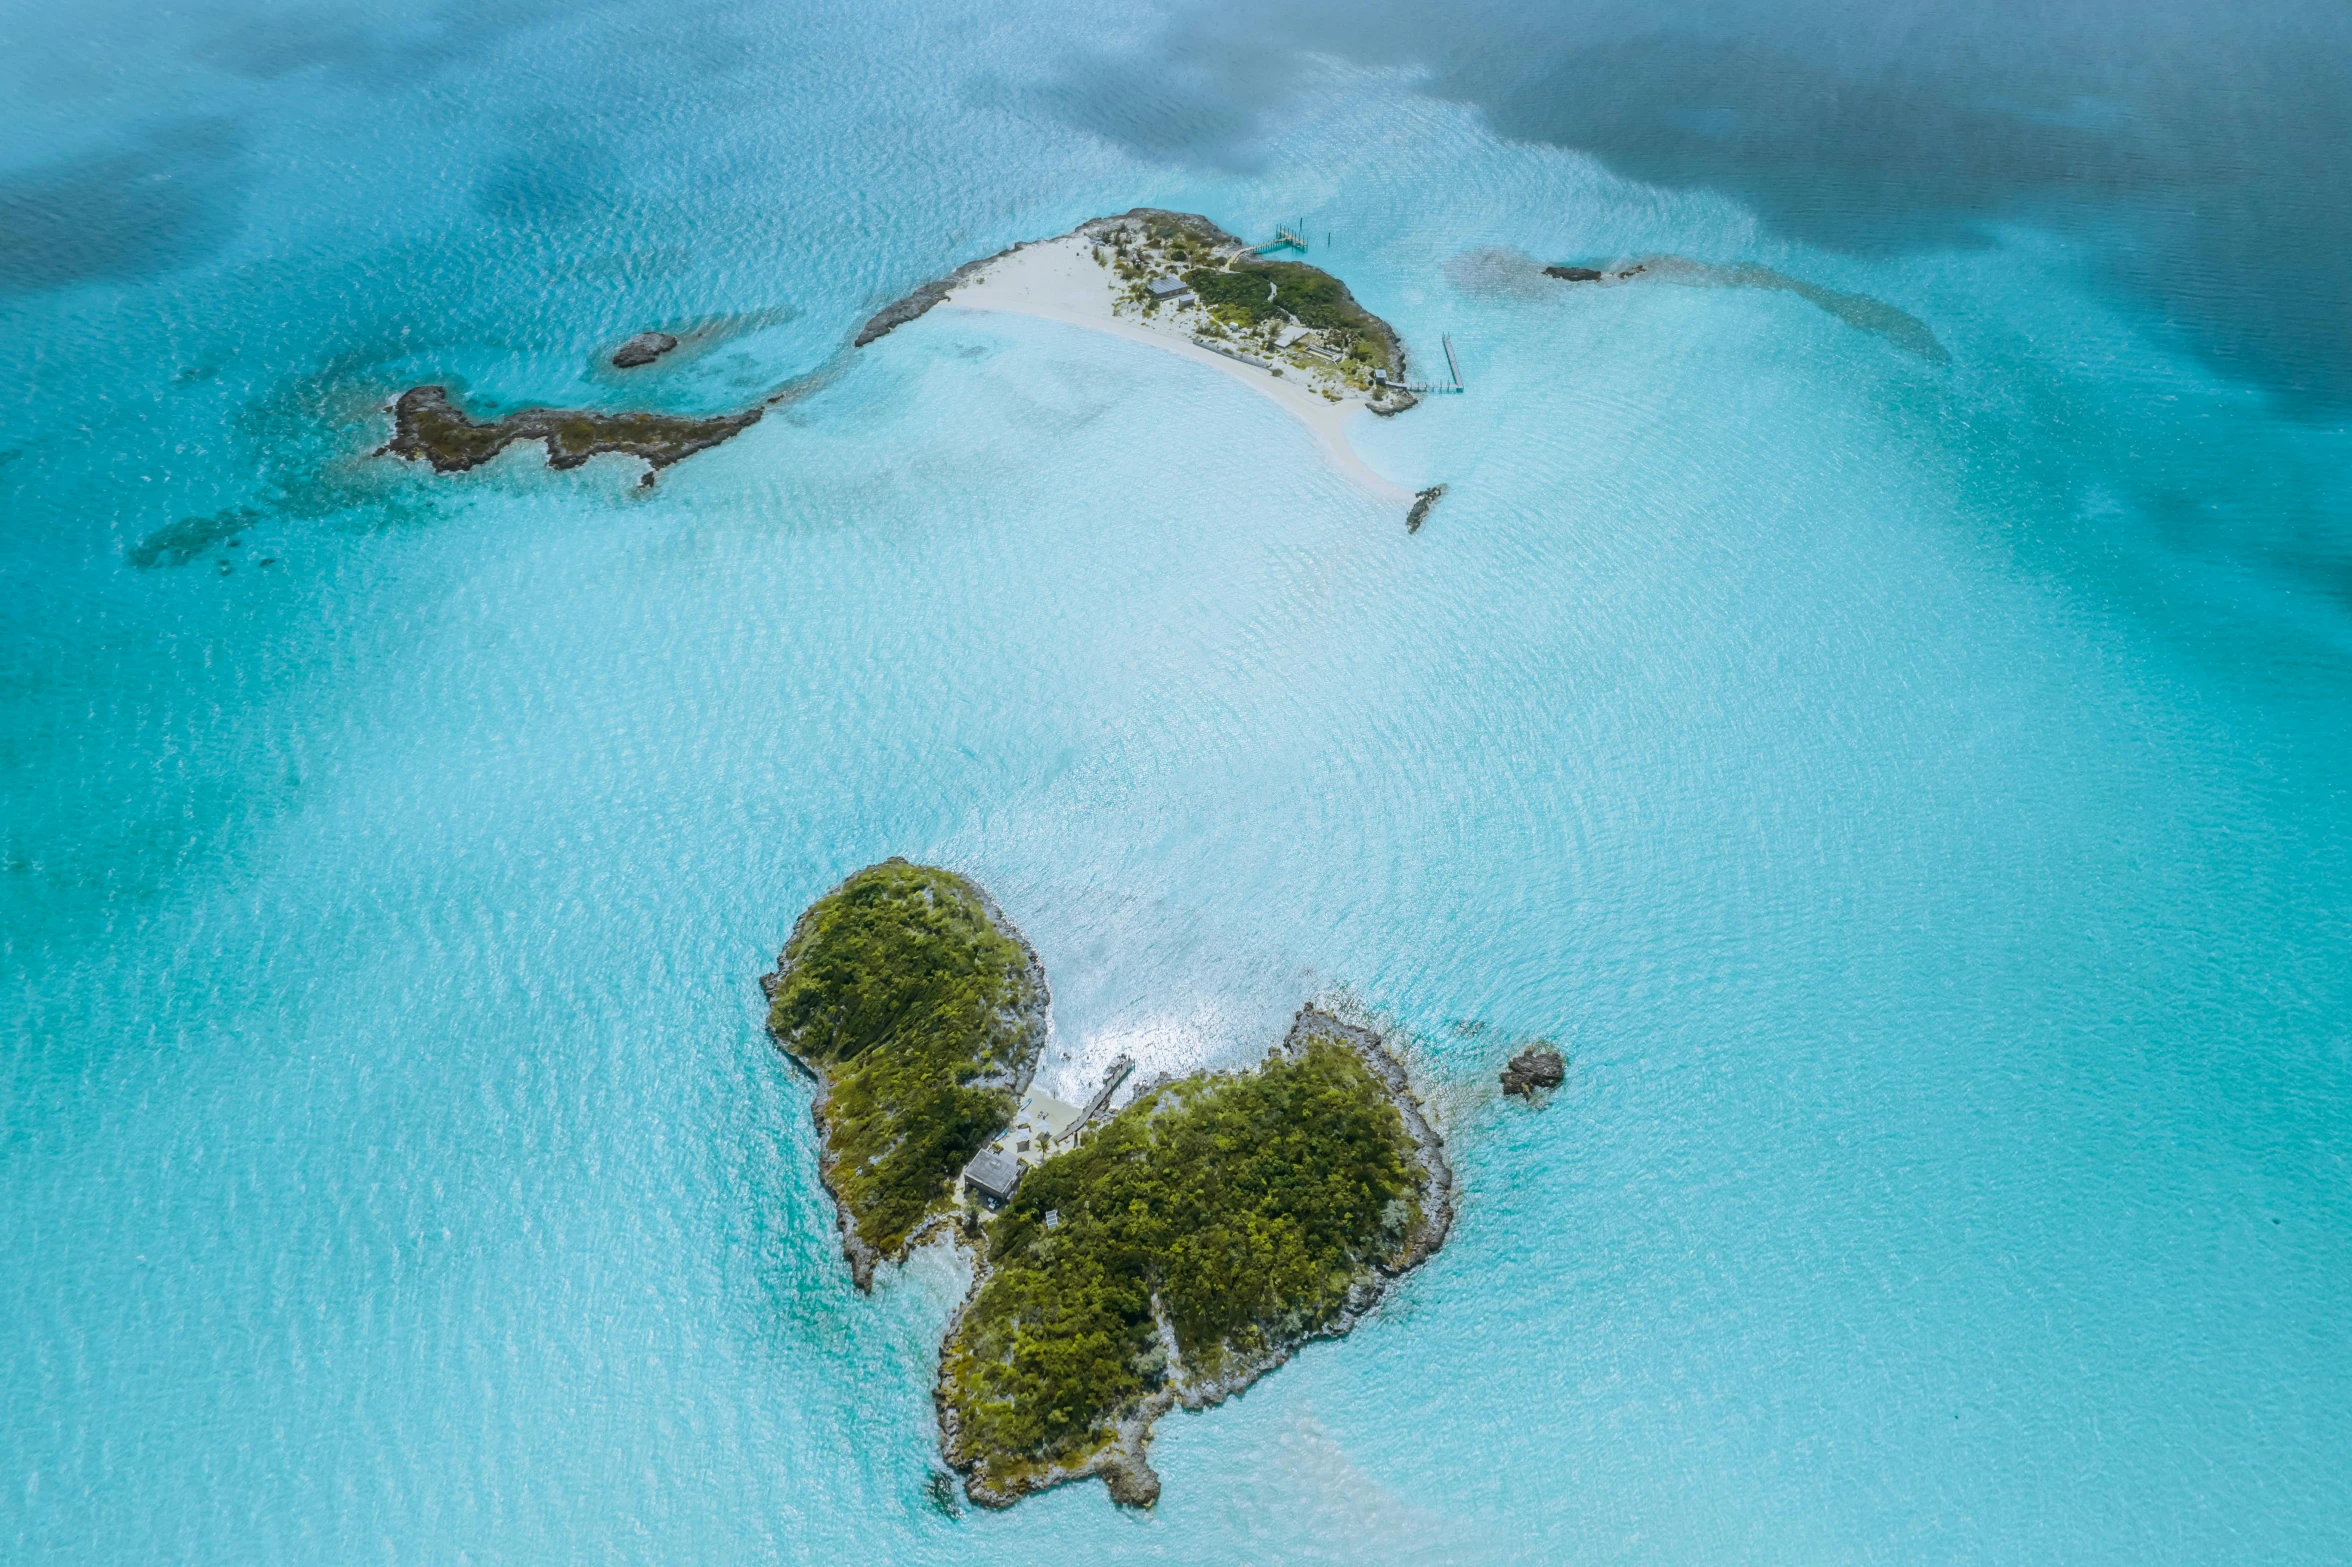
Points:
1536	1067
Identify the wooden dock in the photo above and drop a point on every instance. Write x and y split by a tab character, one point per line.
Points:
1453	367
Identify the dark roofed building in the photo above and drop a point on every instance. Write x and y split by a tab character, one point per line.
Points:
993	1174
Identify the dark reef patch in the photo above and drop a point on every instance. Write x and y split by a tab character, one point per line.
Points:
1875	316
172	197
177	543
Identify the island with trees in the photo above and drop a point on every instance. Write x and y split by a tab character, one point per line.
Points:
1174	1250
920	1012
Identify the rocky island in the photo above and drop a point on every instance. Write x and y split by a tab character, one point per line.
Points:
1169	1253
1183	1250
426	425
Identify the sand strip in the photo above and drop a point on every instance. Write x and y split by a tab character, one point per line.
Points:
1058	280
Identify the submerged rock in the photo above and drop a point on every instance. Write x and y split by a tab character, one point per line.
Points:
643	349
184	540
1538	1066
1574	274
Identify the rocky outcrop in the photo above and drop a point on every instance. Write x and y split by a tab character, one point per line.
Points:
1575	274
1535	1068
1422	502
643	349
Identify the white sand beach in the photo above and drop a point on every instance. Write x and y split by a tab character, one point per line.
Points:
1060	280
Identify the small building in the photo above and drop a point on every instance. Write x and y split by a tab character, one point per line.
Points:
993	1173
1289	335
1169	291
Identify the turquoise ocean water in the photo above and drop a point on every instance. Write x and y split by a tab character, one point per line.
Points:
1912	785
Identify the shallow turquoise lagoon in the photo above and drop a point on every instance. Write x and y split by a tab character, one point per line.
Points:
1913	790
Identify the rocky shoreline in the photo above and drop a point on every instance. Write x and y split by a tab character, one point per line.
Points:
1029	1023
1123	1463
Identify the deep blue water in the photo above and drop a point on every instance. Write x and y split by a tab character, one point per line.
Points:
1912	789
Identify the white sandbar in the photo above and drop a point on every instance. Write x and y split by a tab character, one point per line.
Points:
1059	280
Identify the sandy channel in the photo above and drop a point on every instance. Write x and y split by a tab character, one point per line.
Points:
1058	280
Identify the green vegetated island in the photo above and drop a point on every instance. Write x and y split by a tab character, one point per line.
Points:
1127	1262
920	1012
